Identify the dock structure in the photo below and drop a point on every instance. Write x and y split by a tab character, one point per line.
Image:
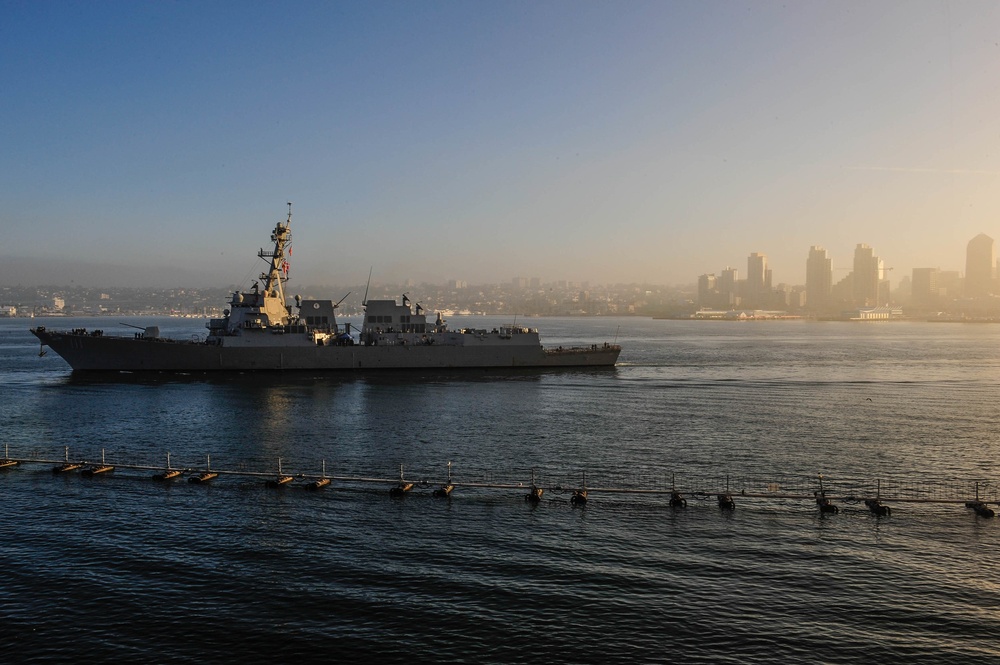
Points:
874	496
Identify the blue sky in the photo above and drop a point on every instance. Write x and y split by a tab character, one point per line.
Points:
157	142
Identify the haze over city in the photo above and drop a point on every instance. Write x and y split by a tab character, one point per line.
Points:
157	143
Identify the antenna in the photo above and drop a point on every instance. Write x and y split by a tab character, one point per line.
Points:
364	301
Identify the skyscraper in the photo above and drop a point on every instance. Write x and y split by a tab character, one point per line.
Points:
819	278
728	287
925	286
758	283
868	271
980	259
708	291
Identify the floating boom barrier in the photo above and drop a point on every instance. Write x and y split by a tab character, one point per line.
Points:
974	495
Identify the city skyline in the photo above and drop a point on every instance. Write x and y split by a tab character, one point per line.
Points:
652	142
866	284
864	293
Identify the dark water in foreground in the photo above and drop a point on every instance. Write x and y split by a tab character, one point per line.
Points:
123	569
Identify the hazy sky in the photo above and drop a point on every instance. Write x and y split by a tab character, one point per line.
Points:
604	141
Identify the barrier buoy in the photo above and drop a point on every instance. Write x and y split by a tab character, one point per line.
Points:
978	506
726	499
535	492
876	508
95	469
445	490
579	497
825	507
203	477
168	473
401	489
534	495
92	471
318	483
67	465
280	479
676	500
980	509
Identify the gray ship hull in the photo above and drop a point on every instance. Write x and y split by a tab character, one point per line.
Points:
85	352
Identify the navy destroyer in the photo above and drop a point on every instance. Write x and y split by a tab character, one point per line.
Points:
260	331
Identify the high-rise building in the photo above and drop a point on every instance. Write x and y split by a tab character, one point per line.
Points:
708	292
758	284
819	278
867	282
728	285
843	291
950	283
925	291
980	261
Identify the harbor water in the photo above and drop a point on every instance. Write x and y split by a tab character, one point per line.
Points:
118	568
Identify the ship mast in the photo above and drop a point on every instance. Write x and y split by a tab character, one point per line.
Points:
275	277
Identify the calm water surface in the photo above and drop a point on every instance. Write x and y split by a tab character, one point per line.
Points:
122	569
